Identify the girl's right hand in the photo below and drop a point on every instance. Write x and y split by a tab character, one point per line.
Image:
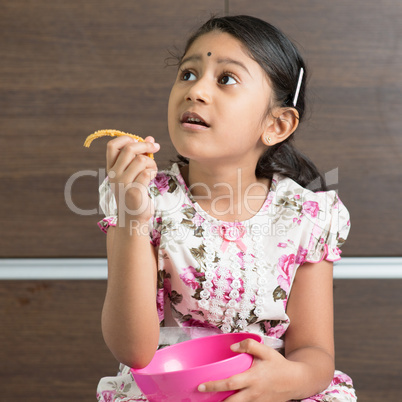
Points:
130	172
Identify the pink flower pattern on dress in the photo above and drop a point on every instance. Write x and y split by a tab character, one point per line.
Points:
301	255
311	207
286	265
341	378
197	323
160	299
315	398
107	396
161	182
197	220
161	295
189	277
155	238
275	331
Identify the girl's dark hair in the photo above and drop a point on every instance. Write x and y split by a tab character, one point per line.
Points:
281	61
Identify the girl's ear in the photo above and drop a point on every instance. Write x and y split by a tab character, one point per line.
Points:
280	125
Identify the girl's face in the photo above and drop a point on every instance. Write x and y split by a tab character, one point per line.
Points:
218	103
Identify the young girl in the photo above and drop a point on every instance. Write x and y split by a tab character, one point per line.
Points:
231	238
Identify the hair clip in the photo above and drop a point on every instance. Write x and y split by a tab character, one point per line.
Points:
298	86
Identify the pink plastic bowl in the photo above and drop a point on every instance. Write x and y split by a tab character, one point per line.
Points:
176	371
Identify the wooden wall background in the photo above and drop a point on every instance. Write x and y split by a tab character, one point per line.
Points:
69	68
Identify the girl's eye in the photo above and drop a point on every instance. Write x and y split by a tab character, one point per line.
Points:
187	76
227	80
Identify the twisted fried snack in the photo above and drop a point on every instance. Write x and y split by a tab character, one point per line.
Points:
111	133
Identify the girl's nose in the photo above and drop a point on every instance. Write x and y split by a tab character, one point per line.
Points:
199	92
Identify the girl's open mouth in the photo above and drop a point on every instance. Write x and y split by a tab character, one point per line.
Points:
193	120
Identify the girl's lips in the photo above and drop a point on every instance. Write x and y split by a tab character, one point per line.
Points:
193	127
193	121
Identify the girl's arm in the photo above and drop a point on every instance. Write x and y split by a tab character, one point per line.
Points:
308	365
130	321
309	339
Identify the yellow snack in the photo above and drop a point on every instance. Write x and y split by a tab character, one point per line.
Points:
111	133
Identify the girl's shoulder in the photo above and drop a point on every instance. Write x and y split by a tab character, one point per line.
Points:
321	216
289	194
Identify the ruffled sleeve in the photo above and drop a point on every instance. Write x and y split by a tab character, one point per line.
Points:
107	203
330	230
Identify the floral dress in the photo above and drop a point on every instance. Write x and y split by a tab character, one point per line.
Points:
233	276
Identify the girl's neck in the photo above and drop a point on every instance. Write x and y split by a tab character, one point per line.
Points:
227	193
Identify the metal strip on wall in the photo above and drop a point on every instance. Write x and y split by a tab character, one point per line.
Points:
96	268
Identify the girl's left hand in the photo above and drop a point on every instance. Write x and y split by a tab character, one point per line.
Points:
268	379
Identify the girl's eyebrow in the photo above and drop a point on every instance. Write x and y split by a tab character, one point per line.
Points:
232	61
226	60
195	57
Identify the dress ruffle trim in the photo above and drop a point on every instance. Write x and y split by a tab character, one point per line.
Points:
326	253
327	236
106	222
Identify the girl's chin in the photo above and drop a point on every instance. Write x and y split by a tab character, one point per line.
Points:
189	148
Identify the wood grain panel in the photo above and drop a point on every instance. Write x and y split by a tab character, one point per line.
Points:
51	343
68	69
368	336
52	348
354	53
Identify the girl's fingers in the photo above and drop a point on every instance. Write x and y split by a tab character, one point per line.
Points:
129	152
113	149
254	348
139	164
145	177
240	381
244	395
234	383
136	194
128	147
149	139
